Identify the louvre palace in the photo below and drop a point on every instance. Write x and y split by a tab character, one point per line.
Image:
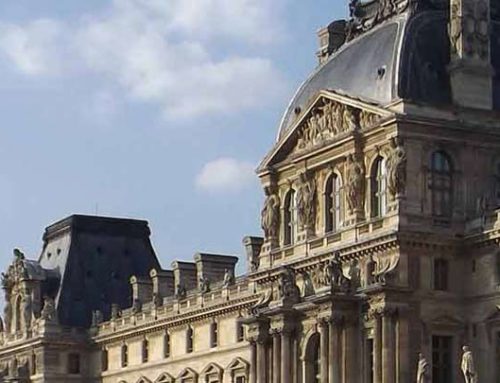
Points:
379	260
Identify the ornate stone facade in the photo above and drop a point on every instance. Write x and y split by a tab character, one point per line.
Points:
379	261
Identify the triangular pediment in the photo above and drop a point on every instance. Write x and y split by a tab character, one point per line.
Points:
330	117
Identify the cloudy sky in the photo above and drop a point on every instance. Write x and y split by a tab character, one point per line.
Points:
152	109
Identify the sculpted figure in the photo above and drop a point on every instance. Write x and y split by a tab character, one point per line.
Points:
306	201
396	180
49	309
204	285
423	371
180	291
350	120
287	287
468	368
270	216
355	182
228	278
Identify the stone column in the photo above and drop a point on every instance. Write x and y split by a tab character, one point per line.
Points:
276	357
352	372
253	362
286	353
324	340
388	347
335	350
377	348
261	361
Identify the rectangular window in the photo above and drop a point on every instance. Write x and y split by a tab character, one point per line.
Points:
104	360
166	345
214	335
124	355
145	351
442	359
240	332
189	340
441	274
73	363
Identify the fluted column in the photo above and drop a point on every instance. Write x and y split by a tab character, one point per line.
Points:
324	340
276	357
261	361
286	353
388	346
335	350
253	364
377	348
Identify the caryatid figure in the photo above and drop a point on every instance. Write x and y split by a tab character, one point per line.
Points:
468	368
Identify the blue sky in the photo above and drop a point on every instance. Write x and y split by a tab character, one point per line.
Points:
150	109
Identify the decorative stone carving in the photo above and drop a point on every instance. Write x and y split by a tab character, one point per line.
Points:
228	278
288	289
270	215
180	291
336	276
396	169
306	201
423	370
262	303
204	285
385	266
469	29
326	122
7	314
467	365
307	284
49	310
355	184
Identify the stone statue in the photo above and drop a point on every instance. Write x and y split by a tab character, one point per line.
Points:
204	285
396	180
423	370
180	291
97	318
350	119
287	286
306	201
27	309
270	216
355	184
228	278
308	286
18	255
115	311
467	365
49	310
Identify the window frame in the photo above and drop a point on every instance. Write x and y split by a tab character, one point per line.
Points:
333	197
378	187
441	184
289	218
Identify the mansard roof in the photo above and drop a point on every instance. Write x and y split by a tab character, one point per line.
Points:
95	257
401	55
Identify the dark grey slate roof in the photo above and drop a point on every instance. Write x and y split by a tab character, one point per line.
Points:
95	258
405	57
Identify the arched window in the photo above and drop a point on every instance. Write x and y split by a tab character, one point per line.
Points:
124	355
189	339
441	184
312	359
333	203
145	351
289	221
378	187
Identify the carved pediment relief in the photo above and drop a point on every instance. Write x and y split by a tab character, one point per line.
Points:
330	118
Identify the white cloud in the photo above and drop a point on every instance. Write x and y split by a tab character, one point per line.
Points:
225	175
165	52
34	48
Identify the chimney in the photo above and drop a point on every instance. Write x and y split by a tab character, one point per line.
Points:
142	289
470	69
185	275
163	282
331	38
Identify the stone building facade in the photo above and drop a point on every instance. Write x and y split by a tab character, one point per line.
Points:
380	257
